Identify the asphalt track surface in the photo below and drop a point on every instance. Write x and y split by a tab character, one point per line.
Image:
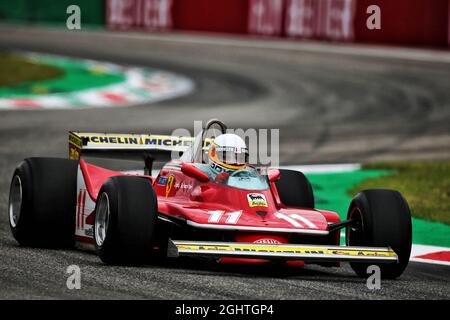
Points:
330	106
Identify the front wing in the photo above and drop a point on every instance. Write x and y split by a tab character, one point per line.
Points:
307	253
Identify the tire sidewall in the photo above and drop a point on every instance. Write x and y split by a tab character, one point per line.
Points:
23	228
107	248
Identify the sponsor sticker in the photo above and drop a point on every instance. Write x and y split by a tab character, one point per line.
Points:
75	140
162	181
256	200
75	146
267	241
136	139
220	169
74	153
90	231
183	186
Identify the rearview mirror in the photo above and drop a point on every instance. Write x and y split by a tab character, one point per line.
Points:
273	174
192	171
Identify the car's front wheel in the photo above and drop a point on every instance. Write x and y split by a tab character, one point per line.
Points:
381	219
125	219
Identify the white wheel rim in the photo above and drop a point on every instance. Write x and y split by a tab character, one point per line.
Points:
15	201
101	219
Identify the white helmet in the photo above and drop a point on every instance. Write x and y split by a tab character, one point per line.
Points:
228	152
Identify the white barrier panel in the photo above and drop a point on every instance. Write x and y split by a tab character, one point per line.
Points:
146	14
320	19
265	17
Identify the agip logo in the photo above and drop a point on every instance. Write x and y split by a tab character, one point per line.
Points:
256	200
267	241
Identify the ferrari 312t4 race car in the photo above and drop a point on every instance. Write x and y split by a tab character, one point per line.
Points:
132	218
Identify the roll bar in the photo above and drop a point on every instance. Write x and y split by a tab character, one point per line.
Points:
198	156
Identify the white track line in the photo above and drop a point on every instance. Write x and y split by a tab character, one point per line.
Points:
310	46
330	168
255	42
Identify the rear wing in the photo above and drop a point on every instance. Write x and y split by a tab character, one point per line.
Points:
128	146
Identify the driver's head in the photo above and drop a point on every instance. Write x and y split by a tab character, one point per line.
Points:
228	153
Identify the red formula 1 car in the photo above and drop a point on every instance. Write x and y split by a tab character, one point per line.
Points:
130	218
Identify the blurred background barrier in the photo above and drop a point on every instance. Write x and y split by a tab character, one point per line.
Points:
228	16
403	22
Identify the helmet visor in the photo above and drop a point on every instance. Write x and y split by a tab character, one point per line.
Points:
232	156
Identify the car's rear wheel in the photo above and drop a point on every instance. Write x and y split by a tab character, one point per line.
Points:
382	218
42	202
294	189
125	220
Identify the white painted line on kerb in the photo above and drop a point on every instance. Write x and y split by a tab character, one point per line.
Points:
420	250
322	168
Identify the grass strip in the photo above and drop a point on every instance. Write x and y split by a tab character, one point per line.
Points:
16	71
424	184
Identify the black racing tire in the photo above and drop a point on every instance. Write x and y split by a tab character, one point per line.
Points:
383	219
130	232
42	202
294	189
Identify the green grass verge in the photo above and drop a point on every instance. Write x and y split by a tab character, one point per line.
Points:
16	70
425	185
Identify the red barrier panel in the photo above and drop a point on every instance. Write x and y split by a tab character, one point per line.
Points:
265	17
405	22
320	19
146	14
228	16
